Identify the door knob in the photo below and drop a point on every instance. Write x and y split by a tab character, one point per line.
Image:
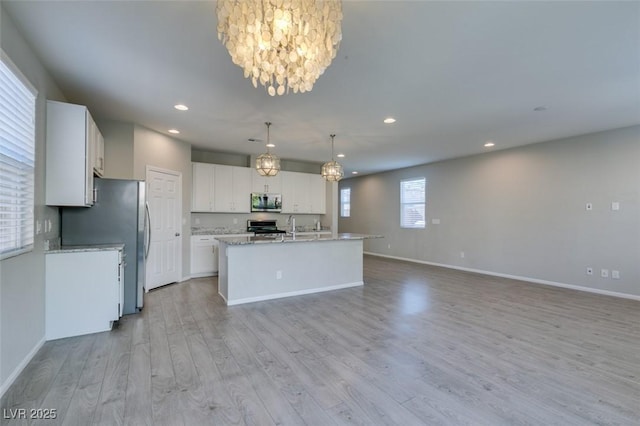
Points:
177	234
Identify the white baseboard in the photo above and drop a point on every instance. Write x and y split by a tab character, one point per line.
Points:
201	275
16	372
292	293
514	277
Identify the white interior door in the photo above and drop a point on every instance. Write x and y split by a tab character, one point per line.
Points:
164	195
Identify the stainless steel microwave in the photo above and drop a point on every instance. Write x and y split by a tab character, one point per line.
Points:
262	202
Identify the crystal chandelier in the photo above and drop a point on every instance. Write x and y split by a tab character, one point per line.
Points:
332	170
268	164
283	44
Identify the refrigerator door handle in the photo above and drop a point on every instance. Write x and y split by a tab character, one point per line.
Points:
148	228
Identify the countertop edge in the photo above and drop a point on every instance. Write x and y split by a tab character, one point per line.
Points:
85	248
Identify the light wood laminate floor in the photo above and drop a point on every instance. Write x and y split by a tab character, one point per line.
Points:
416	345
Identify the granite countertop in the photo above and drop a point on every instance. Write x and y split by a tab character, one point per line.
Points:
85	248
218	231
237	231
314	237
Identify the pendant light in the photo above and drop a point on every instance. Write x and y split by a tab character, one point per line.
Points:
268	164
332	170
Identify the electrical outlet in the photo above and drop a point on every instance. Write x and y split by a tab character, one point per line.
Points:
389	246
604	273
615	205
615	274
435	221
589	271
461	255
278	275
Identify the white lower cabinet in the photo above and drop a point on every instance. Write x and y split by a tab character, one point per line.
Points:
204	254
83	292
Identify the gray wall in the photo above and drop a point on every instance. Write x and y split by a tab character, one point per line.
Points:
118	147
22	277
519	212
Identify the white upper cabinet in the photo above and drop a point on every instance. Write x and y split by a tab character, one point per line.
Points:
232	189
202	187
70	157
318	194
303	193
271	184
219	188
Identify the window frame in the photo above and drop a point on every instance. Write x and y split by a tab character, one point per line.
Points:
342	203
20	228
407	203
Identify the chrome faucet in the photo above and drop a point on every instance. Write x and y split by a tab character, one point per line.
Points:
292	221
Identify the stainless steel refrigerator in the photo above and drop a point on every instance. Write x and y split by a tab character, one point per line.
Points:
118	216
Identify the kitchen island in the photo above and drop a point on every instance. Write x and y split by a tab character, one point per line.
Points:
262	268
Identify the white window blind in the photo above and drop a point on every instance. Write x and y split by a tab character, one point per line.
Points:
412	201
345	202
17	160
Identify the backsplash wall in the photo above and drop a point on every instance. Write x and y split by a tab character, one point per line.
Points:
239	221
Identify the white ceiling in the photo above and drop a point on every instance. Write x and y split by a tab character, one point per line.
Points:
454	74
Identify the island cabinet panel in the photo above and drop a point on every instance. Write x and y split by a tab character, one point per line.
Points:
270	184
232	189
202	187
70	159
303	193
255	272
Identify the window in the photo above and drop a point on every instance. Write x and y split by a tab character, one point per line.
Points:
345	202
412	200
17	160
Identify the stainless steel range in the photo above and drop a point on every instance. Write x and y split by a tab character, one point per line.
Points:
264	227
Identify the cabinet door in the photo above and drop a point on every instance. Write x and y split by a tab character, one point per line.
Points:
317	194
222	188
203	260
241	189
69	161
202	187
288	192
303	192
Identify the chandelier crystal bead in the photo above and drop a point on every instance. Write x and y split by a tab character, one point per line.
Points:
332	170
281	44
267	164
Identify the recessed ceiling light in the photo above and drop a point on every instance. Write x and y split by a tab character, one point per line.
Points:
489	144
174	131
271	145
340	155
540	108
181	107
354	172
389	120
